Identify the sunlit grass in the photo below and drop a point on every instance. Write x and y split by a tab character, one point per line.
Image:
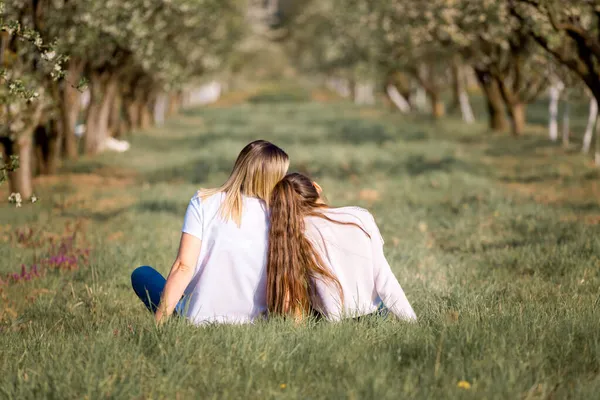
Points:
495	242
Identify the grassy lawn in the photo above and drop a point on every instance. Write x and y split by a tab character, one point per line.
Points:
494	240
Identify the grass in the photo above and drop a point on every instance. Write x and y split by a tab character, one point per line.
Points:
494	240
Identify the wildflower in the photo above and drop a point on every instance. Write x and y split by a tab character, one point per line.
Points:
464	385
34	198
15	198
283	386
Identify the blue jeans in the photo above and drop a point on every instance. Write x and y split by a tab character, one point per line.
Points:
149	284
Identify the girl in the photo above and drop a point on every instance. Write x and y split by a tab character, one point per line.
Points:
327	259
220	266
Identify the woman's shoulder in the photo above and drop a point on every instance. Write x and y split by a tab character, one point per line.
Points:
206	198
352	211
358	215
211	202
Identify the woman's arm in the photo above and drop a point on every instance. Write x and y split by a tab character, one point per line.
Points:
387	286
180	276
391	292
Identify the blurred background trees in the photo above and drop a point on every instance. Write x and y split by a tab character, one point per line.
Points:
106	68
123	55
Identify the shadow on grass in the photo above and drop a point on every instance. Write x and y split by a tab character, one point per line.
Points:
539	177
359	132
520	147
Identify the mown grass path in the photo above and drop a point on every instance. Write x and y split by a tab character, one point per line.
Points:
495	242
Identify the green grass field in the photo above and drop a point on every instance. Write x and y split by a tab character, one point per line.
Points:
494	240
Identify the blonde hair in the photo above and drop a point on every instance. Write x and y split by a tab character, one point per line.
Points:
258	168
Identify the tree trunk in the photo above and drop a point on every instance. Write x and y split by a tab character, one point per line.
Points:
517	118
402	83
457	87
463	98
20	180
363	93
597	154
142	97
115	126
352	87
103	90
420	99
566	128
174	104
69	106
495	105
150	106
47	147
553	111
53	135
515	106
160	109
145	115
397	99
589	130
437	106
132	111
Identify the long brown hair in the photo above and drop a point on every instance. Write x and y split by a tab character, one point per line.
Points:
259	166
292	262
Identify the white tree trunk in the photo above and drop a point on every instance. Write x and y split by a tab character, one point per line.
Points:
463	97
339	86
566	124
397	98
160	109
364	93
589	130
555	90
421	99
465	107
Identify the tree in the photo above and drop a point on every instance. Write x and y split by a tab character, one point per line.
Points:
504	58
568	32
27	64
130	51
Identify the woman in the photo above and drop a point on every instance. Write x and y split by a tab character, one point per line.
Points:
325	259
220	269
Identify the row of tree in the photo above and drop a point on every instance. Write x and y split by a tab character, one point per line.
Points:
516	50
127	54
135	54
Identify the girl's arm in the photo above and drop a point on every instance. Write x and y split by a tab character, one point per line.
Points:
387	286
180	276
184	266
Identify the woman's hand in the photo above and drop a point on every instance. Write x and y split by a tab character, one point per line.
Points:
180	276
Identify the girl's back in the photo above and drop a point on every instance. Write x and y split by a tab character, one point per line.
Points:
353	250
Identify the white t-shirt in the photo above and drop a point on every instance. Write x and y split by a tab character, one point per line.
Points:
229	282
359	264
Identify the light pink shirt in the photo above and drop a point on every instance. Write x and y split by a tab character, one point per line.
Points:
358	262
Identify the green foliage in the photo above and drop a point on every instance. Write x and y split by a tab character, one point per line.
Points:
505	288
160	45
18	78
7	166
